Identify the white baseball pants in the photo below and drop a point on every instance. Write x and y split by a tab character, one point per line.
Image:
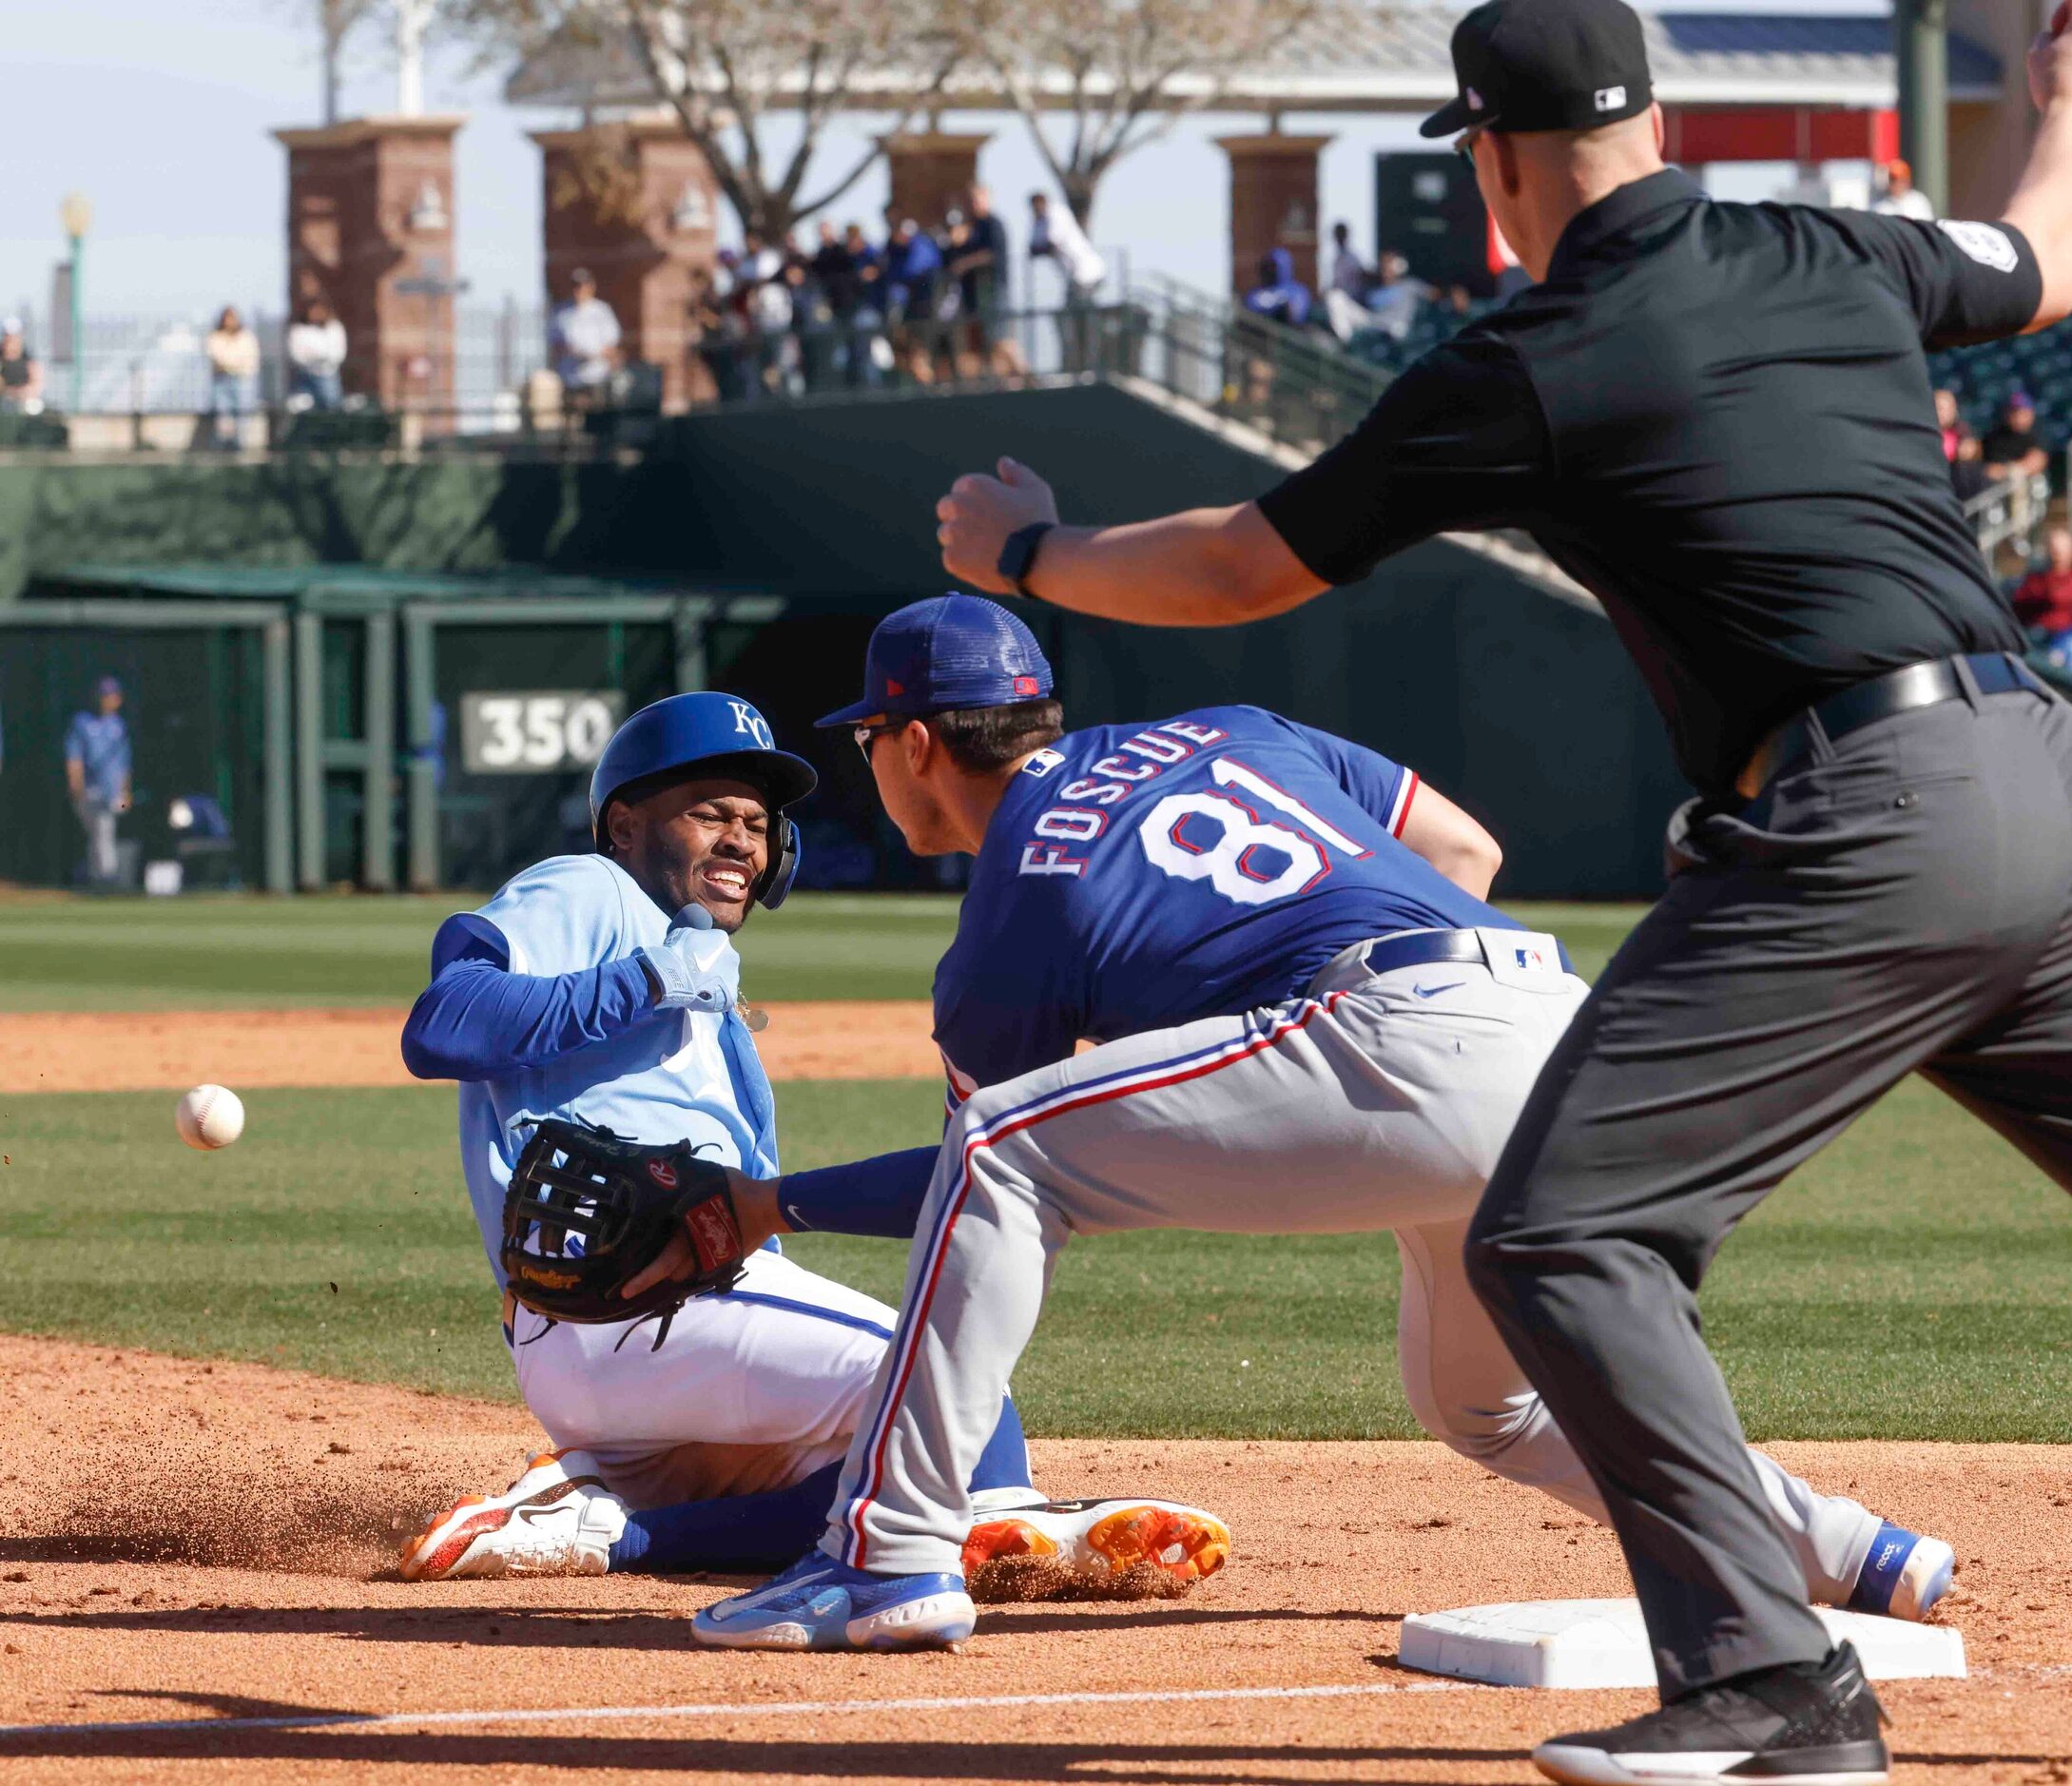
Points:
752	1391
1379	1101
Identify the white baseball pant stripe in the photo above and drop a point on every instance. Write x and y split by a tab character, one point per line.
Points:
1378	1101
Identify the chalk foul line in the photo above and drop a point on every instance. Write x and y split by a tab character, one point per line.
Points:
779	1708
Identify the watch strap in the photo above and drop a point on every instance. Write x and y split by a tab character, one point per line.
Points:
1017	557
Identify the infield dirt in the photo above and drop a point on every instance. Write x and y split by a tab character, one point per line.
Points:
144	1051
184	1542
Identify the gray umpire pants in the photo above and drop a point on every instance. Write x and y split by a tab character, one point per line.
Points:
1897	901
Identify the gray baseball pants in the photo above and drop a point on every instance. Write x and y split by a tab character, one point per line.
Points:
96	815
1901	901
1380	1101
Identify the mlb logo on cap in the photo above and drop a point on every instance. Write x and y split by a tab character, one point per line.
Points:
954	651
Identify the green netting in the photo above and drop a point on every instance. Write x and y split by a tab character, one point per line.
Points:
196	713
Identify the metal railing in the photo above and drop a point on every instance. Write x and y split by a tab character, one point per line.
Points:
1294	385
2008	514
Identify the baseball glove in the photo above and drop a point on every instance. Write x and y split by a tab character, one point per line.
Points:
587	1210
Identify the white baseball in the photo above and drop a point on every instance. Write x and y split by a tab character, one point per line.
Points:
209	1116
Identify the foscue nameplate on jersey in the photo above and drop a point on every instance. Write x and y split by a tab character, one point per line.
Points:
537	731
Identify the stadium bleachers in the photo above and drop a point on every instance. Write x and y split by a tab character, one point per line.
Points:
1983	377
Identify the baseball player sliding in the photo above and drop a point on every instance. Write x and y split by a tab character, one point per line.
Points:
1307	1020
713	1438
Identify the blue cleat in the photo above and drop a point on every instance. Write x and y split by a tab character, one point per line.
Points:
821	1604
1904	1576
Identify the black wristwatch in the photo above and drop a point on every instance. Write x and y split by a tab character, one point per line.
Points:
1017	557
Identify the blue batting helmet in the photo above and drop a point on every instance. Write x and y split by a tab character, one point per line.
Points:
716	735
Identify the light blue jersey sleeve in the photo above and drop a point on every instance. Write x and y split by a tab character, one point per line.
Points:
562	915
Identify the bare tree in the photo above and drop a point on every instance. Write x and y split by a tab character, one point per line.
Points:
726	67
1118	74
336	21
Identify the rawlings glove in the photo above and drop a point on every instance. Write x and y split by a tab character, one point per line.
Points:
694	966
587	1212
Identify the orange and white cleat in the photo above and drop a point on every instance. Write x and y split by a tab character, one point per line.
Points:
1106	1538
557	1518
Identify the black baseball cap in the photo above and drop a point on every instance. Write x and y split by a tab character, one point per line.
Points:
1546	65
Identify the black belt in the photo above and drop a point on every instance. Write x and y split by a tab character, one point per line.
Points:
1426	948
1917	686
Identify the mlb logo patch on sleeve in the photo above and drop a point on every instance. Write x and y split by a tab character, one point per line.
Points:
1986	245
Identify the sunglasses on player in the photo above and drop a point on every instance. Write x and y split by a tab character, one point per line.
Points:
866	735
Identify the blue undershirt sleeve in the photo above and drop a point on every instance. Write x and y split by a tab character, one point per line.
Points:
880	1196
480	1020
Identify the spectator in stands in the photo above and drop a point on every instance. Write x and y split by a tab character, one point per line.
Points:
584	338
2013	449
868	358
2015	456
1901	198
97	777
315	351
233	375
1950	420
1968	470
21	373
981	267
1349	274
913	275
2043	602
1397	299
1054	235
913	266
1279	296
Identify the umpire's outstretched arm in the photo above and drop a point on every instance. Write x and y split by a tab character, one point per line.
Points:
1223	566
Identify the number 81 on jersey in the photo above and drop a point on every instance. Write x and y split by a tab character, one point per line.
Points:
1220	838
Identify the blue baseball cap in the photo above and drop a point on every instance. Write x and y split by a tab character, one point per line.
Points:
954	651
716	735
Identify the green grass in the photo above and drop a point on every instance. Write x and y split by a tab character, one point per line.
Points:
58	954
139	954
1911	1283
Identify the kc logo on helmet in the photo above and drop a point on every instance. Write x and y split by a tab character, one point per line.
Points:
747	719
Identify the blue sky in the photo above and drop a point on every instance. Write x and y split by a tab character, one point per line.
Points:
158	110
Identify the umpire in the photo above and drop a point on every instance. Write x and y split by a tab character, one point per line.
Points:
1718	418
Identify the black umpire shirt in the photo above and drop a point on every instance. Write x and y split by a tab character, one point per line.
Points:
1719	419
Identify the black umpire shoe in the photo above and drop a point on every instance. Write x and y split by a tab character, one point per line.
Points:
1803	1724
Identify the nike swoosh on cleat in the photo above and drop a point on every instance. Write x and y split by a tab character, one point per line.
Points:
1433	992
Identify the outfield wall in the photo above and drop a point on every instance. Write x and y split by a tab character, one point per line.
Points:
1515	700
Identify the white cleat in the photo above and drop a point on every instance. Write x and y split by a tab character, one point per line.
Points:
557	1518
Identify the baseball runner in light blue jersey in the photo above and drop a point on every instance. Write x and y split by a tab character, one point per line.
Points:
1307	1020
605	989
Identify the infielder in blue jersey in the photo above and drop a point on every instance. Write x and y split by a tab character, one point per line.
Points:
1308	1021
714	1440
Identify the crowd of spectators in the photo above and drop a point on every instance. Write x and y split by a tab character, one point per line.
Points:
2006	461
781	319
1383	312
